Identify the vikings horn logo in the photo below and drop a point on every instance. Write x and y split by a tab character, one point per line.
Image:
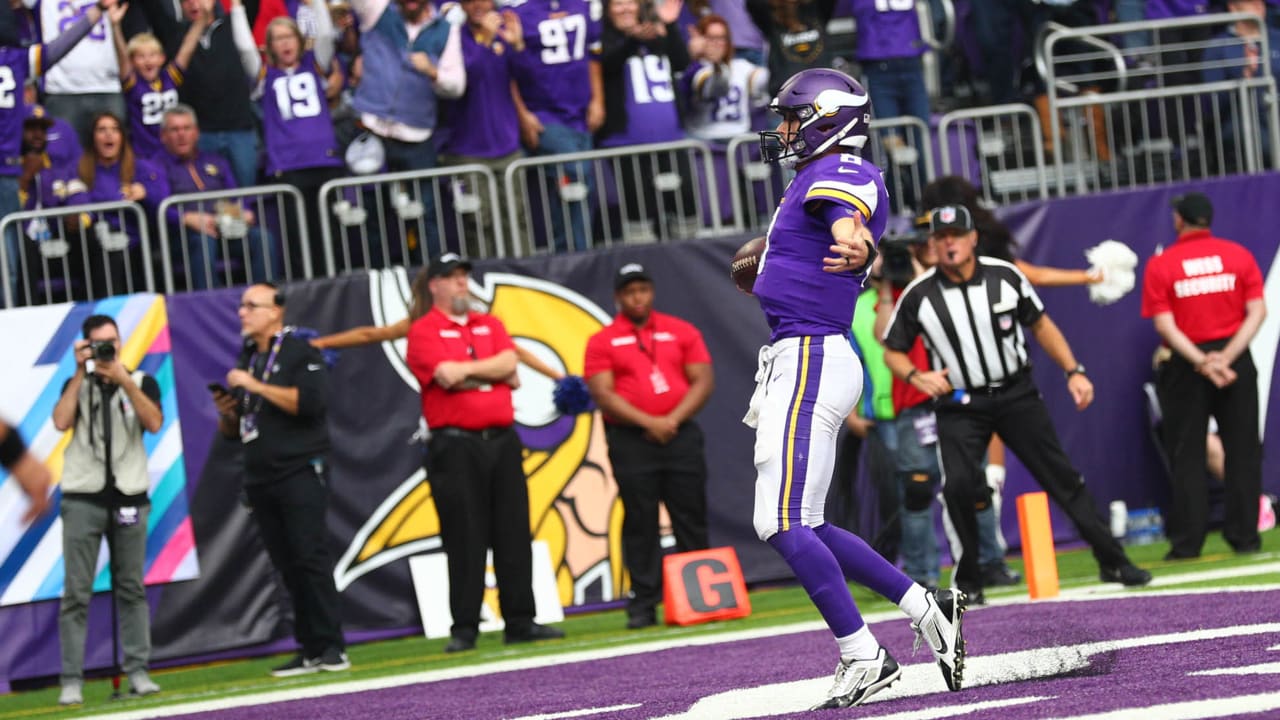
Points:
573	503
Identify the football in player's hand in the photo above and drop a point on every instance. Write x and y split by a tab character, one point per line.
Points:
745	264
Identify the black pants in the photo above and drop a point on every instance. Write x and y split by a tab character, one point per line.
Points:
308	181
478	482
1018	414
843	498
1187	400
290	514
676	475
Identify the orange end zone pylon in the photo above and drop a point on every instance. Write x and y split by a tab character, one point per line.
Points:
1038	554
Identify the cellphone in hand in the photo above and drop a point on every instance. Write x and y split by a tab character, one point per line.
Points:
216	388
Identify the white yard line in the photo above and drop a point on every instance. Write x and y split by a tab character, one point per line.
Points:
1077	594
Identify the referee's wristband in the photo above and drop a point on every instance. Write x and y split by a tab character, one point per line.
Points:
913	373
11	448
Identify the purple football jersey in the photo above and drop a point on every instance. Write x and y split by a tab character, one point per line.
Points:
887	29
561	38
483	122
297	131
652	116
797	297
16	65
146	103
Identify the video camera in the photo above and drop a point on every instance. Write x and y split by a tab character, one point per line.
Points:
896	264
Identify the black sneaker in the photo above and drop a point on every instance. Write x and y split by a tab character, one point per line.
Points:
299	665
460	643
940	628
531	633
858	680
332	660
998	575
1129	575
641	620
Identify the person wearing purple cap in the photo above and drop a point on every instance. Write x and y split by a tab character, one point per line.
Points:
1205	296
821	240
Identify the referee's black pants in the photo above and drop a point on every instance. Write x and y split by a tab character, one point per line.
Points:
290	514
1187	399
1018	414
676	475
478	483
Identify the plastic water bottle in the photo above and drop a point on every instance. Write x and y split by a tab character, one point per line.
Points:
1119	519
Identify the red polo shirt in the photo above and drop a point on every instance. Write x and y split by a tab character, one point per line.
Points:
647	362
434	338
1205	282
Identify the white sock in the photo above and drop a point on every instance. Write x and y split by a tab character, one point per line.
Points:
915	602
861	645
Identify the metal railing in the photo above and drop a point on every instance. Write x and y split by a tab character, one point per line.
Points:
1163	113
998	148
634	194
756	186
405	218
907	162
223	238
78	252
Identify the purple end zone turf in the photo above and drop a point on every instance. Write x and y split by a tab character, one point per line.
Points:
670	681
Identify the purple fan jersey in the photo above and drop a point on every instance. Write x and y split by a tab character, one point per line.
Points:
16	65
297	131
483	123
146	103
652	116
1163	9
887	29
561	38
797	297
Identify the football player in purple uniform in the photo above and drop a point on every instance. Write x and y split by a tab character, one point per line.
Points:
150	84
821	240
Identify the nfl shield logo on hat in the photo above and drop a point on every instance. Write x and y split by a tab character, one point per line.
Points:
947	214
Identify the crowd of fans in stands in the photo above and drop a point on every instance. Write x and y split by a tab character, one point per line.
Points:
276	91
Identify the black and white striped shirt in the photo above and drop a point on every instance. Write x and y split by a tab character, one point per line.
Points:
973	329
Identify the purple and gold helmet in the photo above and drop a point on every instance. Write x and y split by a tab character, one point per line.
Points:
833	110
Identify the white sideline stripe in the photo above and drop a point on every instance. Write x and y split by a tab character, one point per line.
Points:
1193	709
580	713
1085	594
1263	669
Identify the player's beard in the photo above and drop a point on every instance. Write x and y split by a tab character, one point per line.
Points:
458	305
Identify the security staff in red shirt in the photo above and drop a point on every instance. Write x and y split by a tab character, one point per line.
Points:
465	364
1205	297
650	373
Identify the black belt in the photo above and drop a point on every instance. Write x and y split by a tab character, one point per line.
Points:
485	434
1007	384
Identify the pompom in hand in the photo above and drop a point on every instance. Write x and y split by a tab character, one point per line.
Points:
571	396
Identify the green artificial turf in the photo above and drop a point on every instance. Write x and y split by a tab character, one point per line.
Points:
772	606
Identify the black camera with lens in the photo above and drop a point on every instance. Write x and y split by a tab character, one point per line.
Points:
103	350
896	264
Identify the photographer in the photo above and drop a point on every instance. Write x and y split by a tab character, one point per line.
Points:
104	493
275	405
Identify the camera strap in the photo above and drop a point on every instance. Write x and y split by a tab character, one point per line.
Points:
106	436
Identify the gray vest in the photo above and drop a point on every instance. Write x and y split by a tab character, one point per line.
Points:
84	462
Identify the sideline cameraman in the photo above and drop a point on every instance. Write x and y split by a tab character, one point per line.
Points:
104	493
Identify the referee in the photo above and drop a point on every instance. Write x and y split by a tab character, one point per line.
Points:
971	311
